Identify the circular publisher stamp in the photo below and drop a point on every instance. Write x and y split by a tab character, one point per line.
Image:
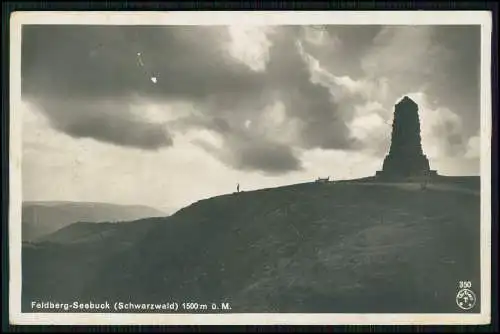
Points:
466	299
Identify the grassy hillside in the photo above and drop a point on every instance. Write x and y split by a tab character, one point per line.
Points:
337	247
43	218
59	266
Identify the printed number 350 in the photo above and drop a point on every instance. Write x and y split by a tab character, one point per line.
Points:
464	284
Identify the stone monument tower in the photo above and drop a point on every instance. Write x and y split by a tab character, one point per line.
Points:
406	158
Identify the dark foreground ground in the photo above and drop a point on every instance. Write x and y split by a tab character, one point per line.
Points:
345	247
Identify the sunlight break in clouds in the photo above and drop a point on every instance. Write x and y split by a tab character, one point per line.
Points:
473	148
441	128
250	45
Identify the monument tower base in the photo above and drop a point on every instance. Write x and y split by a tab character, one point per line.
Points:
384	175
406	166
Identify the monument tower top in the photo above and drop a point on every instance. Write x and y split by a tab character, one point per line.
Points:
407	101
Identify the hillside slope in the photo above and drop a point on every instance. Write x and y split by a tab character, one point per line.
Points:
42	218
339	247
59	266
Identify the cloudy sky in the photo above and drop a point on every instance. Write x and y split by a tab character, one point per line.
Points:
164	116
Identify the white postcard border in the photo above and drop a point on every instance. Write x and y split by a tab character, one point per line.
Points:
482	18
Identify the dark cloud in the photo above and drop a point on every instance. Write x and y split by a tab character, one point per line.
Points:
241	148
66	68
82	64
119	131
102	61
272	158
104	121
458	84
257	154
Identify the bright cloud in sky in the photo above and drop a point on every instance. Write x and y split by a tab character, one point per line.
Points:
250	45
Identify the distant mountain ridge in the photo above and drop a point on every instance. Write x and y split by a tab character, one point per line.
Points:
41	218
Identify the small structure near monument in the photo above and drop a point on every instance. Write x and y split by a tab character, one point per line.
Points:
323	180
406	158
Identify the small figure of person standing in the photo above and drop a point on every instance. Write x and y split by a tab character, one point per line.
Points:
423	184
238	188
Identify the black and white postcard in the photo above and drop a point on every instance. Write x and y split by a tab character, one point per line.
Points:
250	168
